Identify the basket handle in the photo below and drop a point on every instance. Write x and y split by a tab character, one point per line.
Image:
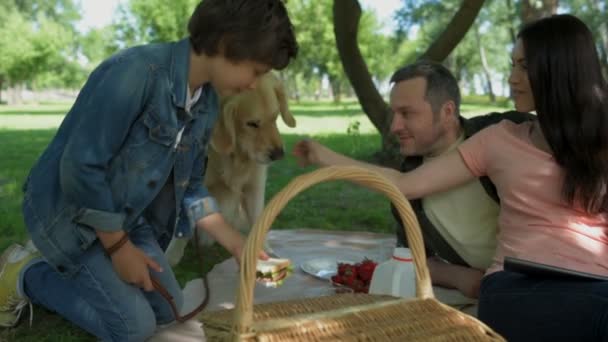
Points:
369	179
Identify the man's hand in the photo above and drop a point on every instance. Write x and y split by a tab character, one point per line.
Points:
465	279
309	152
132	266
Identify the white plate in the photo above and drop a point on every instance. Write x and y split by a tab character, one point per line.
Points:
323	268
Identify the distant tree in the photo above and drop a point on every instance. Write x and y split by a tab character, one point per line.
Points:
147	21
535	9
36	38
595	14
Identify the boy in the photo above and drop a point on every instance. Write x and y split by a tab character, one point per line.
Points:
125	172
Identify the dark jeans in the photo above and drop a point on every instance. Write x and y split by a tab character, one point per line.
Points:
524	308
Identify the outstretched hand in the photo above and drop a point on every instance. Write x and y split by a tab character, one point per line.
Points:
308	152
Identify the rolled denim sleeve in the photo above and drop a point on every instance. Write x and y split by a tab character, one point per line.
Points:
198	202
110	102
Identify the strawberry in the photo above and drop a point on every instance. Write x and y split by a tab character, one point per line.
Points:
350	270
349	280
366	271
342	268
338	279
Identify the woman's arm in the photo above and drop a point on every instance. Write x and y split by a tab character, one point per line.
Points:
437	175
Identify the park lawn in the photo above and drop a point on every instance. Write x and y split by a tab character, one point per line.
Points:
331	206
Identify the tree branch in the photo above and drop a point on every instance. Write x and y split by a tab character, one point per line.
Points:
454	32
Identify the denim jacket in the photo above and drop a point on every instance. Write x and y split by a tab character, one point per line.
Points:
126	133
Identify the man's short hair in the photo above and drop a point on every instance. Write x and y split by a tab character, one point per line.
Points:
258	31
441	86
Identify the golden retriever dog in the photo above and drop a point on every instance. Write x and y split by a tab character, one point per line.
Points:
244	141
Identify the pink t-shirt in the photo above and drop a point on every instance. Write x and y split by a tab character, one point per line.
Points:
535	223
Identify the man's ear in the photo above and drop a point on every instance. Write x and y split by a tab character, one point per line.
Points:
286	115
448	110
223	138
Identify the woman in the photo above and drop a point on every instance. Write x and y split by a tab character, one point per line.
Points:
551	175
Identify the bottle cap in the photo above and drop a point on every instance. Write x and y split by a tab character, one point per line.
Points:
402	254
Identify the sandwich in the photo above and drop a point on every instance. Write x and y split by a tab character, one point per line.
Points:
272	272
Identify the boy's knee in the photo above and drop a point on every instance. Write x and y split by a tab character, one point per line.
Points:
138	328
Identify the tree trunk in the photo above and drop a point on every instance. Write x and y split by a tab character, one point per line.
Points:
336	89
14	93
347	14
296	88
1	84
454	31
484	65
535	9
510	20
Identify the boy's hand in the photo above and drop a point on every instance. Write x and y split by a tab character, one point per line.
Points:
132	266
232	240
240	246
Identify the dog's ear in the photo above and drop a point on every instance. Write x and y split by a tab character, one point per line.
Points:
223	138
286	115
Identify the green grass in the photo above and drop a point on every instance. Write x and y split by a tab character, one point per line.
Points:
31	109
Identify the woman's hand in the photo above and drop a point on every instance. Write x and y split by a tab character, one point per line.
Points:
310	152
133	266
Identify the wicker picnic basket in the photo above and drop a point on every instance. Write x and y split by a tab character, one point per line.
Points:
342	317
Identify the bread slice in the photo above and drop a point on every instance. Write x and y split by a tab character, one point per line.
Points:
273	271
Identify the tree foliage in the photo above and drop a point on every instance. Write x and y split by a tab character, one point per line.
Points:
37	38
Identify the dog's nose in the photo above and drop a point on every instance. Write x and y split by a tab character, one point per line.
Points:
276	154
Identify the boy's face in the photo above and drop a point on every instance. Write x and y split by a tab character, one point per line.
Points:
229	78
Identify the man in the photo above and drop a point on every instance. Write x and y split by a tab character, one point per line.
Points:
459	226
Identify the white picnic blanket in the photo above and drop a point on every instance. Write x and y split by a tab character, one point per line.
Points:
299	245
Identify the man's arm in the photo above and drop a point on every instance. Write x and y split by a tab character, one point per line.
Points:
467	280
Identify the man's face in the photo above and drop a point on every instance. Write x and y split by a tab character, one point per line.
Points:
418	130
229	78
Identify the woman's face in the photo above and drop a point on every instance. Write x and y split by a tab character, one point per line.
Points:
518	80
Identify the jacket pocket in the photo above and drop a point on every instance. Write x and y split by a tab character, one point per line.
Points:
159	132
153	142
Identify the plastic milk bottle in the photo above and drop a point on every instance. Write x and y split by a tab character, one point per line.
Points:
396	276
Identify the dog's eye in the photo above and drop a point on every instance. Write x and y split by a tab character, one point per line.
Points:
253	124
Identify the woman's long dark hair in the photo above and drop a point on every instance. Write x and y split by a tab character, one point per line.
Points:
570	95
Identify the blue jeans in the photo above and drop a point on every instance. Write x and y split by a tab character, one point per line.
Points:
98	301
524	308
